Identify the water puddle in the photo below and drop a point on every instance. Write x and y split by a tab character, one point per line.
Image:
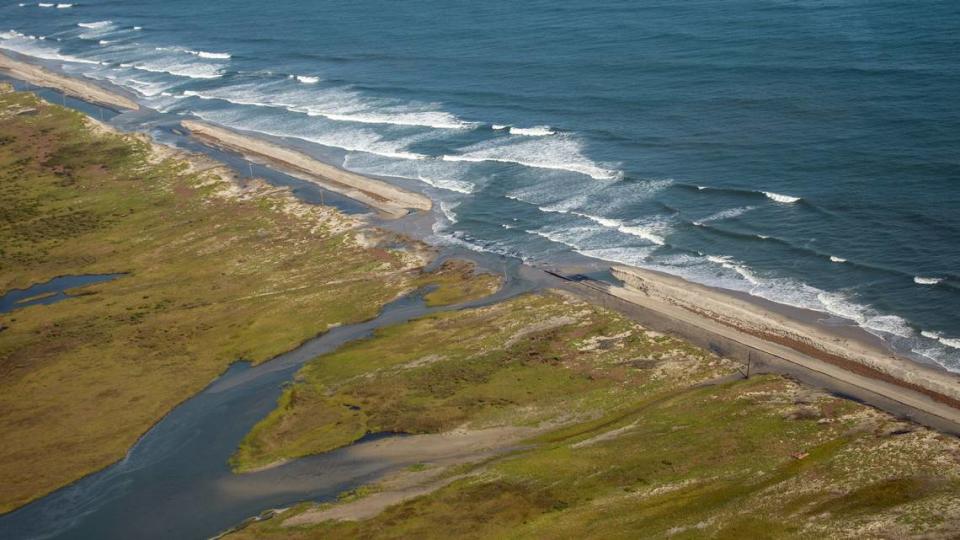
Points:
49	292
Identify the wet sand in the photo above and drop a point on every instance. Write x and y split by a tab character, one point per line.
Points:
78	88
386	198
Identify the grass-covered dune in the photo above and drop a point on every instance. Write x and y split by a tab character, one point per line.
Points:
214	272
632	435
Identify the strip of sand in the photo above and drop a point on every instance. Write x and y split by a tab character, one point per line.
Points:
83	90
384	197
933	391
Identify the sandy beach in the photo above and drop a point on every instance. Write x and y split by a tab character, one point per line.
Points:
934	391
80	89
385	198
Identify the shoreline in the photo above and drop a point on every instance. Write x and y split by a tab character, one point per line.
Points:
386	198
899	395
712	318
80	89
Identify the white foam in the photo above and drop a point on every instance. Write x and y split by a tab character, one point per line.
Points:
920	280
64	6
447	176
210	55
536	131
104	42
37	48
837	259
448	184
556	153
499	127
137	28
338	104
44	5
572	237
786	199
639	231
346	137
868	318
725	214
949	342
931	335
736	266
179	69
447	208
306	79
95	25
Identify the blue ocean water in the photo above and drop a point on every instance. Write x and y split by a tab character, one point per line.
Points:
807	152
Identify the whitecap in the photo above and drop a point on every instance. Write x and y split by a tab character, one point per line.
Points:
725	214
556	153
307	79
95	25
64	6
950	342
210	55
346	137
31	46
786	199
180	69
45	5
920	280
640	231
929	334
536	131
738	267
499	127
336	104
837	259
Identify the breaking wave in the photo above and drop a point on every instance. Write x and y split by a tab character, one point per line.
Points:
787	199
556	153
536	131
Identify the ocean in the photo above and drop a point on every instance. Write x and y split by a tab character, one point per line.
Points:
805	152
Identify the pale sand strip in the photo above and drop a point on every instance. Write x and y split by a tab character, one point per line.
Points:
83	90
382	196
441	450
773	333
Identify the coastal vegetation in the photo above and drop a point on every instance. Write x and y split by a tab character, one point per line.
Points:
629	434
215	270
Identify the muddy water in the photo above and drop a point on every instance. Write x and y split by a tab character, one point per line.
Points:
175	482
